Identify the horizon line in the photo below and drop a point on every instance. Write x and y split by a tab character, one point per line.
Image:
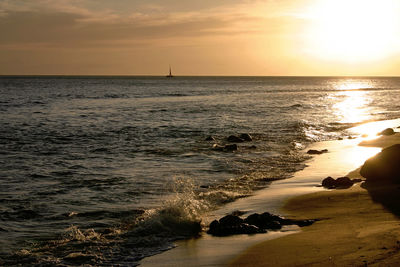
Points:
177	76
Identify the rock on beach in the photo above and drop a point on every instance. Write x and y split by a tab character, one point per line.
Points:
254	223
317	152
385	166
341	182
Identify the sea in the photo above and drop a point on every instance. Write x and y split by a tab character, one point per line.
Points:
108	170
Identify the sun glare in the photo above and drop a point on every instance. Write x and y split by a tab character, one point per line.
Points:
354	30
351	101
353	108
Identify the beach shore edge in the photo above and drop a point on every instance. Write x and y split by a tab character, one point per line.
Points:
354	228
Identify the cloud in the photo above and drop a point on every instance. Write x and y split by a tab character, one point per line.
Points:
71	23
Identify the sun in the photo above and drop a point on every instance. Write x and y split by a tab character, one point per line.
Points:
354	30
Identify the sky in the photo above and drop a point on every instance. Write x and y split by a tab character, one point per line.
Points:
207	37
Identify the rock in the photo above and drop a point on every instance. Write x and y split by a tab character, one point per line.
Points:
246	137
226	148
316	152
232	225
234	139
264	221
329	182
385	166
214	227
342	182
210	138
388	131
254	223
303	223
252	147
232	147
217	147
231	220
250	229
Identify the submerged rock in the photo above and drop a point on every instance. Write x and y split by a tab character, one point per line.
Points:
226	148
383	166
316	152
387	131
246	137
232	147
234	139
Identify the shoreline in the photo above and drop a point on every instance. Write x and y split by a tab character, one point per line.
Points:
213	251
356	228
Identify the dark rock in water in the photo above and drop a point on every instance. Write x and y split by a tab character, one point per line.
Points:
252	147
254	223
317	152
246	137
231	220
217	147
214	225
304	223
210	138
250	229
234	139
329	182
232	147
388	131
265	221
232	225
384	166
226	148
342	182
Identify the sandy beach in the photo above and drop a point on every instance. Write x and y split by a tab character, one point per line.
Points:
358	226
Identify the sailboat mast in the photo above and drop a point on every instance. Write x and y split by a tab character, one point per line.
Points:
170	72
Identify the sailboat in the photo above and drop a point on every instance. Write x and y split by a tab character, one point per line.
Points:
170	73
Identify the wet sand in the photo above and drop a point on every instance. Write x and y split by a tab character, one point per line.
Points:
359	226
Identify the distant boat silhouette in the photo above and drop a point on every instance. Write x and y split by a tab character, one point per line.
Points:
170	73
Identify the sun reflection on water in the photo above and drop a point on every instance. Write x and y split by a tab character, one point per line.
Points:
353	108
353	85
352	105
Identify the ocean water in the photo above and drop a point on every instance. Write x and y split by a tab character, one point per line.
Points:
108	170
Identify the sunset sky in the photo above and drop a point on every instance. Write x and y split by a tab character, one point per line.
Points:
207	37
